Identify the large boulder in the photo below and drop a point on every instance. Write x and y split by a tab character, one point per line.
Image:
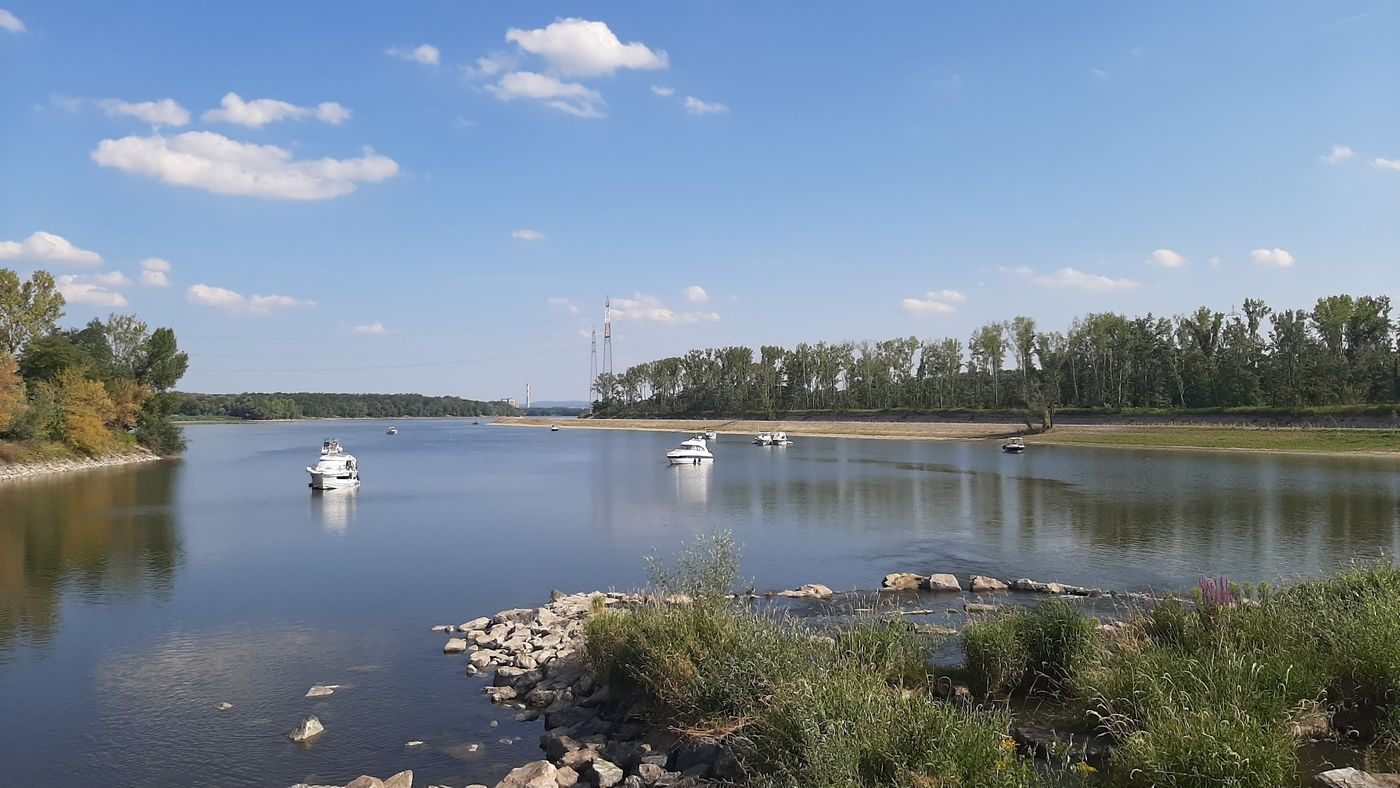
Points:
539	774
982	584
307	730
365	781
808	591
566	777
454	646
901	581
605	774
1355	778
516	615
942	582
475	624
403	779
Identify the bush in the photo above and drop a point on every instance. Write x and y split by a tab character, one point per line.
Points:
705	569
1042	648
157	433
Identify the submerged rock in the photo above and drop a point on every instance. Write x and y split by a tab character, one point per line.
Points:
308	730
901	581
942	582
808	591
322	690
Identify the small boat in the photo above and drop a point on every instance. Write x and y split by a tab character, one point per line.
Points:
392	431
337	468
771	439
554	428
476	422
710	436
692	451
1014	446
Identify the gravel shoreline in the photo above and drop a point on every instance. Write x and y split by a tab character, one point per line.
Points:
27	470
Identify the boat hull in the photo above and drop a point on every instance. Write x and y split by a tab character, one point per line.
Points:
697	460
330	481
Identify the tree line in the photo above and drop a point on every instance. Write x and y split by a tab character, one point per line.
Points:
1342	351
309	405
92	389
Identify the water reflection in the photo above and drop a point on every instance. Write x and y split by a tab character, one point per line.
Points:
334	509
106	533
692	484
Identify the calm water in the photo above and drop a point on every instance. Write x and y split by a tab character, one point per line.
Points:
132	600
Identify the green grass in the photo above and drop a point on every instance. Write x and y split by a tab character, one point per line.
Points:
1274	439
1041	649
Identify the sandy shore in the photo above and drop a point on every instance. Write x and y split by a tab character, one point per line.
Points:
1345	442
25	470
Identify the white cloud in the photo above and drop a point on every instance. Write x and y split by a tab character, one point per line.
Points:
1023	271
1338	154
695	106
696	294
427	54
1072	277
1098	72
490	65
662	90
260	112
578	47
154	272
1271	258
649	308
1215	262
375	329
1166	258
934	302
45	247
223	298
1387	164
528	235
95	290
567	303
10	22
215	163
166	112
570	97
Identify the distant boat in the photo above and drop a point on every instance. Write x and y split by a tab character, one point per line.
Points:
392	431
337	468
771	439
476	422
554	428
1016	445
692	451
710	436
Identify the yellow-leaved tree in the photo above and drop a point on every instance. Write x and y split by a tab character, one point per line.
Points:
128	397
85	410
11	391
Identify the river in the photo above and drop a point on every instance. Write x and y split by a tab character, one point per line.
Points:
133	600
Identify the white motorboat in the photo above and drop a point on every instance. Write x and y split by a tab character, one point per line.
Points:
337	468
692	451
1014	446
554	428
392	431
710	436
771	439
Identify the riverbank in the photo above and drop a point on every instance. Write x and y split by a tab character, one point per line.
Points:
25	469
1300	440
1239	685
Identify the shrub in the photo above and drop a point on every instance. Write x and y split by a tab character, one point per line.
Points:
1043	647
705	569
159	434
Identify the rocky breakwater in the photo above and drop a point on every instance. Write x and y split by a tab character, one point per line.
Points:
592	736
24	470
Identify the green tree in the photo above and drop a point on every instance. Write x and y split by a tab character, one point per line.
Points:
27	310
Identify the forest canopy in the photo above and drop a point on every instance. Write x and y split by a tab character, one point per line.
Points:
300	405
1342	351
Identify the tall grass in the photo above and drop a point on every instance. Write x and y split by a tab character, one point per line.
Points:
1040	649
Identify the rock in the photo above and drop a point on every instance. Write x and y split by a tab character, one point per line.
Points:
414	743
454	646
309	729
942	582
981	584
1026	584
365	781
474	625
604	774
555	595
444	628
1355	778
539	774
633	781
727	767
697	752
224	706
650	772
557	745
901	581
515	615
403	779
322	690
974	607
481	660
808	591
501	694
566	777
1316	724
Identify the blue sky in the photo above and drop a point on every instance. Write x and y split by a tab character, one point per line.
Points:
365	213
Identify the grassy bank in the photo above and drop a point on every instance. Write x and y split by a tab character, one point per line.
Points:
29	452
1216	690
1282	439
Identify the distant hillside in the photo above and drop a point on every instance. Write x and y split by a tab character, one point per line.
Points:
310	405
